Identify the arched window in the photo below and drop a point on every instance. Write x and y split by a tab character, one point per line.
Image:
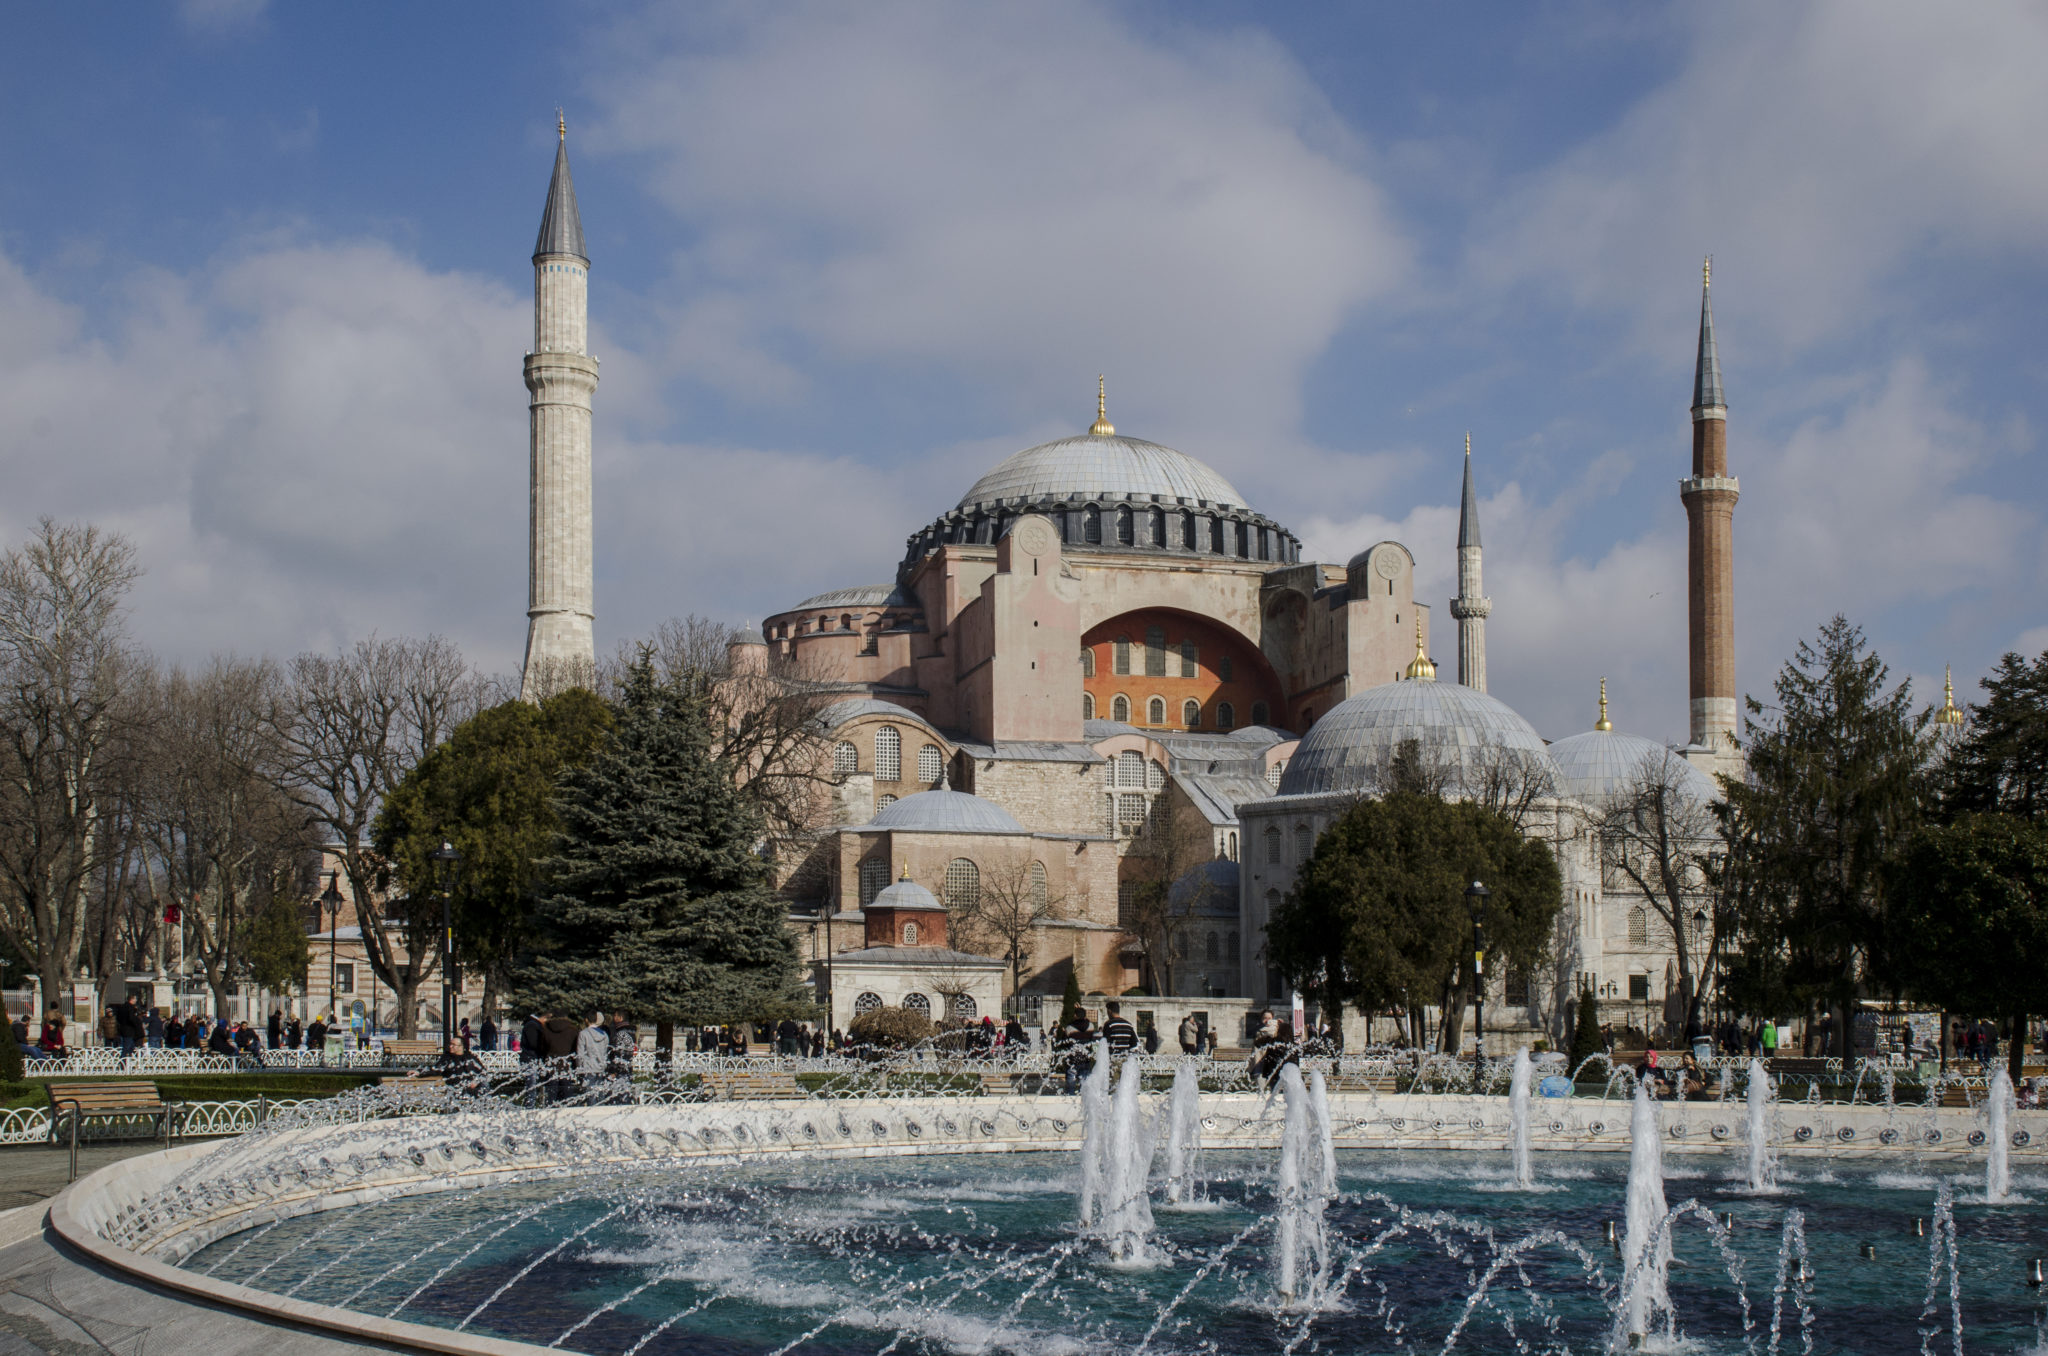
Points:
910	934
1038	897
963	884
1120	655
1226	716
1088	661
1178	944
1155	652
846	621
1189	668
867	1002
885	802
1308	716
917	1003
1209	947
1259	713
1130	768
1120	708
1109	813
1123	527
1215	536
1087	706
1304	843
1272	847
1191	714
845	759
1223	669
1187	531
1231	851
1155	711
931	764
1638	926
1130	813
1158	528
1155	775
1244	534
960	1007
1231	944
874	878
888	754
1091	526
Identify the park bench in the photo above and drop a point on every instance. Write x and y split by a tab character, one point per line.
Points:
760	1085
110	1101
411	1052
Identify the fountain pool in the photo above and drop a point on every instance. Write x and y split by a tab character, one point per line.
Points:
1428	1251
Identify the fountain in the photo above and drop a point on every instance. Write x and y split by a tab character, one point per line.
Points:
1124	1212
1646	1240
1518	1120
1184	1136
1094	1134
1998	1147
1763	1163
1304	1184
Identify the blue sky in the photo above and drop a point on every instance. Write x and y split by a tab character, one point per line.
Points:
265	275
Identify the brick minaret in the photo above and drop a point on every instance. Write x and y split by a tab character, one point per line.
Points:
1470	607
562	376
1710	494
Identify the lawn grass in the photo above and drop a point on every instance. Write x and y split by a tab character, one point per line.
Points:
213	1087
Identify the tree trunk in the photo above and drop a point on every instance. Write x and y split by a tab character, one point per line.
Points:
664	1045
2016	1052
405	986
1944	1040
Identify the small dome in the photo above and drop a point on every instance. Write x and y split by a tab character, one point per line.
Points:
946	812
1351	745
906	894
1097	467
1599	765
1208	888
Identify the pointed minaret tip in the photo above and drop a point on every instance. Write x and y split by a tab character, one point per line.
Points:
1604	725
1468	506
1706	383
561	225
1102	428
1950	713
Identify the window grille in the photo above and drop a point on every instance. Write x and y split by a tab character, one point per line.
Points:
1130	768
1189	657
1091	526
845	759
1155	711
885	802
963	884
1187	531
1272	847
1516	992
960	1007
1178	945
888	754
1123	527
1158	528
1638	926
1087	706
867	1002
1223	668
1109	814
1130	812
1120	708
874	878
1088	662
1038	898
1259	713
1226	715
1155	652
1191	715
917	1003
910	934
1126	903
1639	987
931	764
1209	947
1304	843
1120	655
1275	772
1155	776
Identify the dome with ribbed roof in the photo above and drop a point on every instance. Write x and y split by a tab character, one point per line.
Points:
946	812
1600	765
906	894
1461	731
1093	466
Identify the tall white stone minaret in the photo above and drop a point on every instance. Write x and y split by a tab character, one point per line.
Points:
1470	607
562	376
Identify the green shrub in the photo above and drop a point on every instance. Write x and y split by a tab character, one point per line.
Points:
10	1053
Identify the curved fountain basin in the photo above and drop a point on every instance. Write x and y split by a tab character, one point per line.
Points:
147	1214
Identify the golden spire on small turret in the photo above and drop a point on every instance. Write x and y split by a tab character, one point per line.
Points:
561	125
1603	725
1707	273
1950	713
1101	428
1420	667
906	870
1468	444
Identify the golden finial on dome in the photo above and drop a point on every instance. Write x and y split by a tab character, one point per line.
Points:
906	870
1707	272
1604	725
561	125
1468	444
1101	428
1420	667
1950	713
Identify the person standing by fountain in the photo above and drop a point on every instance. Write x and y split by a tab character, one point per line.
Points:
1117	1030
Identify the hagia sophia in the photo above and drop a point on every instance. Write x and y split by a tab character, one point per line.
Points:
1106	695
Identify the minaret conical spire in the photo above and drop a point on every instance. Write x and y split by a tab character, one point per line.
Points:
1468	509
1706	381
1471	605
561	226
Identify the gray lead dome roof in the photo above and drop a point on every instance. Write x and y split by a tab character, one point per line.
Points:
1097	467
1351	746
1599	765
946	812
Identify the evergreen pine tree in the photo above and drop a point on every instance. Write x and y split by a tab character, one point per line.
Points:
11	1067
1070	998
658	902
1586	1030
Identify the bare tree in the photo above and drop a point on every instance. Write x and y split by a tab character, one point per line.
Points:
1005	917
64	659
1509	781
347	727
1656	836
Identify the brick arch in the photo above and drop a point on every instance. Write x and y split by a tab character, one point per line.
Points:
1251	680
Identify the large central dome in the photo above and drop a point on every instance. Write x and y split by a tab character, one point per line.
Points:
1095	466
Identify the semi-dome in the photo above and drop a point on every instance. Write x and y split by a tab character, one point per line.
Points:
1600	765
946	812
1093	466
1462	731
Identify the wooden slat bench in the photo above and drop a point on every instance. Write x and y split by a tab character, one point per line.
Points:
110	1100
411	1052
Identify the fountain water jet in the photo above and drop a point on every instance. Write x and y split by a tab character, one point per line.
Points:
1763	1163
1997	1164
1094	1133
1124	1211
1518	1120
1184	1136
1646	1242
1307	1180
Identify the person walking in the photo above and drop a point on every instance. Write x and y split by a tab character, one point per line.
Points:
128	1028
593	1049
1016	1040
275	1031
488	1033
292	1033
316	1037
1190	1035
559	1035
624	1044
467	1037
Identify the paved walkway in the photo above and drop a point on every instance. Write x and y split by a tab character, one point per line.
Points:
30	1174
53	1304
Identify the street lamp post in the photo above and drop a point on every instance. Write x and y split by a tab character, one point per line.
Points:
1475	904
331	898
447	870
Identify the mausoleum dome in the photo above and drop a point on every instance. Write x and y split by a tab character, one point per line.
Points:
1600	765
946	812
1463	731
1092	466
906	894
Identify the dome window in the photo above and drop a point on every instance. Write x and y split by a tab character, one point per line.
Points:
845	759
931	764
1123	527
888	754
1158	534
1187	531
1091	525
